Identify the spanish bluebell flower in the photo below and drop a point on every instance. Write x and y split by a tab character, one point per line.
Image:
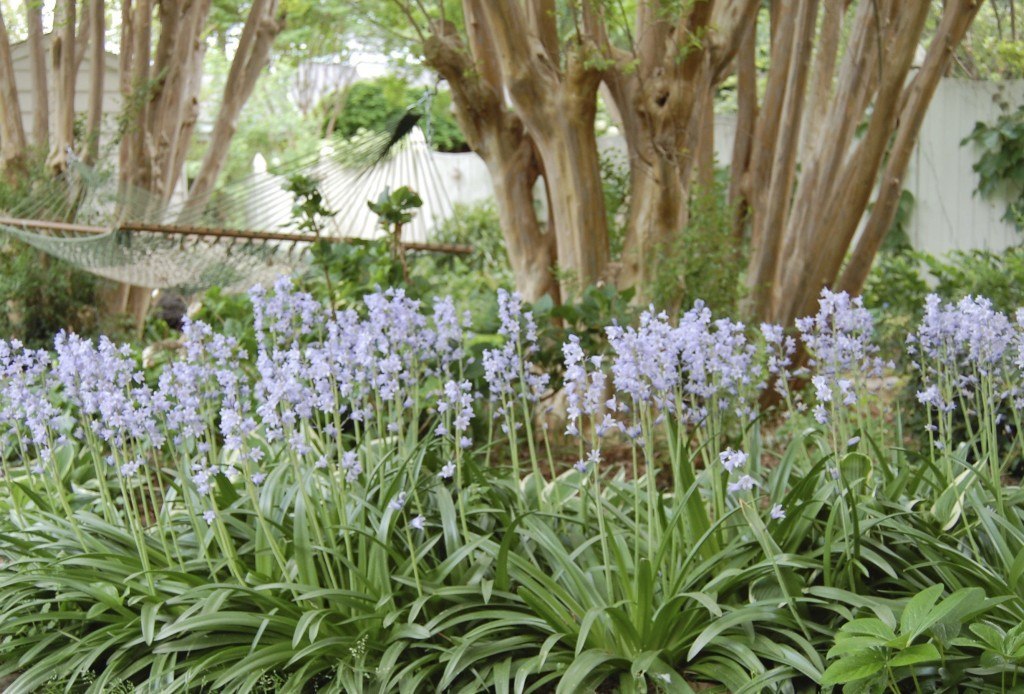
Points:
732	460
457	398
130	467
841	351
350	464
585	387
284	314
509	367
417	523
777	512
448	335
398	502
702	365
964	351
209	516
743	484
447	471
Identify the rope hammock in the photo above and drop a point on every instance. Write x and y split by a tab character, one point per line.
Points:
244	234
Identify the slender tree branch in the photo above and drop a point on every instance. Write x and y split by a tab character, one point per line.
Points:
407	11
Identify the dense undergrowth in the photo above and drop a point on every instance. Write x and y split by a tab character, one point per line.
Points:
371	499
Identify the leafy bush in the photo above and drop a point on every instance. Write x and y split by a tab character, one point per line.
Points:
997	276
705	263
41	295
476	225
895	291
899	281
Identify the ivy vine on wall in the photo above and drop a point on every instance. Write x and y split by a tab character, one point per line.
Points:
1000	167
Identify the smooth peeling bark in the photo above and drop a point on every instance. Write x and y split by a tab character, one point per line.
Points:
666	105
657	210
64	65
572	173
953	26
95	115
264	23
37	58
817	257
557	105
746	117
766	239
530	252
140	171
562	126
496	134
822	165
12	130
179	53
773	208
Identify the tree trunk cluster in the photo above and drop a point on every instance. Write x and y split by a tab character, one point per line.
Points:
821	147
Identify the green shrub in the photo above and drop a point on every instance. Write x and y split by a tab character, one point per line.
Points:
615	185
41	295
997	276
705	263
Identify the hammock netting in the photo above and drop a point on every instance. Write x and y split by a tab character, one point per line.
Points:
244	234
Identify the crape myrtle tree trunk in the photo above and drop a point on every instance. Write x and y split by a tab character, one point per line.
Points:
526	100
97	51
12	130
662	84
495	132
160	93
67	51
40	88
161	90
265	21
552	85
835	117
822	145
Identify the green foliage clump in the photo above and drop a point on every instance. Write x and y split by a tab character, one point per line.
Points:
308	210
376	105
1000	165
895	291
395	209
615	185
899	282
41	296
996	276
476	225
259	534
706	262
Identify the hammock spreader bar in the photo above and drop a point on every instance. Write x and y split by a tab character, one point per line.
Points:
209	232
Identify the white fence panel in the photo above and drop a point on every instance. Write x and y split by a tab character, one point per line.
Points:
947	214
